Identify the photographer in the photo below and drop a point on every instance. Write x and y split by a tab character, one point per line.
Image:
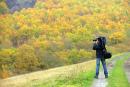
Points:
99	47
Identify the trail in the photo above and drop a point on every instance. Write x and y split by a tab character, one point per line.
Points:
127	69
101	81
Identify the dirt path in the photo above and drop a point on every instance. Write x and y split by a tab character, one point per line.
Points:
101	81
127	69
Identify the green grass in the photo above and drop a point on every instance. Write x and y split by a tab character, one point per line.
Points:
117	77
83	79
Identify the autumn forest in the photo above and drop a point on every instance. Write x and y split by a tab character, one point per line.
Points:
55	33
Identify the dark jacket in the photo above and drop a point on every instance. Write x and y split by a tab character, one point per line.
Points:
99	50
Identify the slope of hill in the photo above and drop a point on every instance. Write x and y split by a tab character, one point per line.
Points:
76	75
60	32
26	80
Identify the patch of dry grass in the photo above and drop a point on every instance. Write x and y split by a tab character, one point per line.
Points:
60	72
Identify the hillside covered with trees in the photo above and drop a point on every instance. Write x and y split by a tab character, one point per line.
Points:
60	32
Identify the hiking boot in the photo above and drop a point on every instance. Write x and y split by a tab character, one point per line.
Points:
96	77
106	76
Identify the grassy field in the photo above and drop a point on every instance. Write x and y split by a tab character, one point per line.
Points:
53	77
75	78
84	79
117	76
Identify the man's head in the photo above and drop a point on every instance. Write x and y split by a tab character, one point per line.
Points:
97	39
100	39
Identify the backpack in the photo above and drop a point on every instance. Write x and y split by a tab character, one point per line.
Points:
106	54
103	40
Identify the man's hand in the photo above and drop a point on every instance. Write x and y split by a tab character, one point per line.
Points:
97	41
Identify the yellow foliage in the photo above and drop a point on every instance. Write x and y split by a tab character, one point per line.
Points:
4	73
117	37
28	61
65	27
62	55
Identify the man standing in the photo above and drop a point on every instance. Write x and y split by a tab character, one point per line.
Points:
99	47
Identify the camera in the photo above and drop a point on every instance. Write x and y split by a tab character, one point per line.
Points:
101	39
95	40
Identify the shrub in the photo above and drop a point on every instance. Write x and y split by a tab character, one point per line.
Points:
26	59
